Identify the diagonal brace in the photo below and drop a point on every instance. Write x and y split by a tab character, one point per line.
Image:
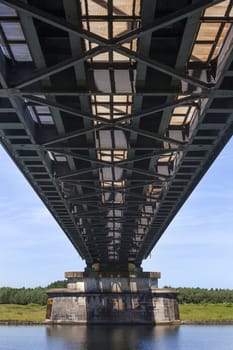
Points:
48	71
168	20
54	21
163	68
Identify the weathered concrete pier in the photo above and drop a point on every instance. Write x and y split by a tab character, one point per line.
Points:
126	297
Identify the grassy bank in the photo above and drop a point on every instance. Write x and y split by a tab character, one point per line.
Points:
30	312
191	312
206	312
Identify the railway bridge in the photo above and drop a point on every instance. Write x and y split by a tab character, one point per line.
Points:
114	110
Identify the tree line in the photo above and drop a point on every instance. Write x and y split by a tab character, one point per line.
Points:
202	295
24	296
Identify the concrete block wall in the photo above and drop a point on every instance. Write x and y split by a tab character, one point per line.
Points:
69	309
165	305
114	284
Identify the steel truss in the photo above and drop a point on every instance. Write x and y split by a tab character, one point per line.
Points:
113	173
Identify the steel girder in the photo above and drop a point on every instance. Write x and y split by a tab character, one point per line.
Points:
93	120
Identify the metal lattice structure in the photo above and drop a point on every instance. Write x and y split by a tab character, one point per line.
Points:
114	110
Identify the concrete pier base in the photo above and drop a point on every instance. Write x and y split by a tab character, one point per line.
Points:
113	298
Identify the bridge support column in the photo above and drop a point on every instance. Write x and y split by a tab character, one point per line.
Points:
126	298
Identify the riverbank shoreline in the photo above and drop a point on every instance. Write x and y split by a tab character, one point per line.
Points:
177	323
207	322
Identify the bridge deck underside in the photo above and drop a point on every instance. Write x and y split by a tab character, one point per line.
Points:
114	110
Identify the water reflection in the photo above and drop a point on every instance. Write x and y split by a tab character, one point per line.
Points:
115	337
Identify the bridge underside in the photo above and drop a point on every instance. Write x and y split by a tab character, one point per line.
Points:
114	110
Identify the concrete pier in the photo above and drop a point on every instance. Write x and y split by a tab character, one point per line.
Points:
126	298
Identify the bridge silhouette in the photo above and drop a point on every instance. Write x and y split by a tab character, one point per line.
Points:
113	111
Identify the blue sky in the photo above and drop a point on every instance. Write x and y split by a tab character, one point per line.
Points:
195	251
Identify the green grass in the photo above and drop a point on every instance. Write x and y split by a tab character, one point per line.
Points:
191	312
206	312
30	312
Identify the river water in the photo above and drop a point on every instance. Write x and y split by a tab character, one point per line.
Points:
116	337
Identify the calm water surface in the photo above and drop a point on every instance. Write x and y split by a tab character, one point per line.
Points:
116	338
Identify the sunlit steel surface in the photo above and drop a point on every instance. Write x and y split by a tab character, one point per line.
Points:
114	110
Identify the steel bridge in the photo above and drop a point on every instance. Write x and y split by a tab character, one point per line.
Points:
114	110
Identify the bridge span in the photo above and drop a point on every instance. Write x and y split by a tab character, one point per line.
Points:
114	110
